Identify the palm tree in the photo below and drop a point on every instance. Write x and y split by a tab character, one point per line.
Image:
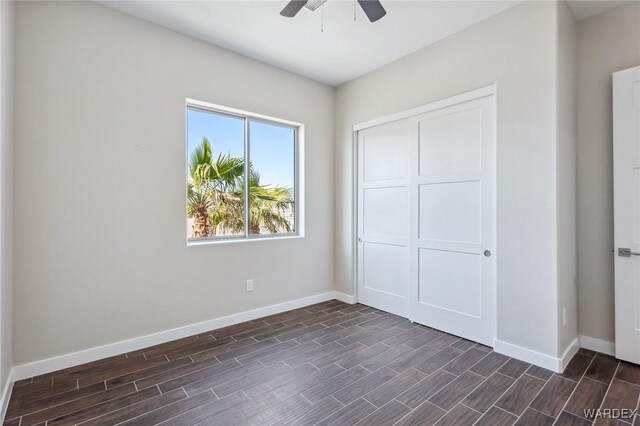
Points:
268	205
208	180
216	197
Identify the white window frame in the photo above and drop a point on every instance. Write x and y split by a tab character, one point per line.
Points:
298	184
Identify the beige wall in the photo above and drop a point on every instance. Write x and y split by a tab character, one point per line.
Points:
517	50
607	42
100	181
6	189
566	172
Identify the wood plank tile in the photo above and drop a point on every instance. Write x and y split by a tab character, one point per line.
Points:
514	368
349	415
459	416
413	358
359	357
337	335
394	387
489	364
386	358
443	341
198	382
249	380
533	417
588	395
424	415
93	411
301	332
485	395
305	357
231	414
426	388
438	360
464	361
17	409
210	354
621	395
402	337
285	389
269	358
496	417
464	345
211	409
296	375
196	369
312	414
577	367
339	354
318	334
602	368
629	373
455	391
71	406
568	419
152	371
281	410
520	395
178	345
127	413
553	396
327	388
359	388
390	371
88	379
539	372
386	415
423	338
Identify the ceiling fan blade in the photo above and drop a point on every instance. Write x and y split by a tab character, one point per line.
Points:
293	7
373	9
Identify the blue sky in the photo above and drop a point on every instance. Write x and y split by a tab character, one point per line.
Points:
272	147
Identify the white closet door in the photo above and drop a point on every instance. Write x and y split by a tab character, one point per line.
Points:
626	203
452	223
383	217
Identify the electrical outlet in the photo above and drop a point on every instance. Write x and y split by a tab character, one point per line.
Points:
564	317
249	285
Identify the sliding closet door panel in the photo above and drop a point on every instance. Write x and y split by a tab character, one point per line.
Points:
452	260
383	224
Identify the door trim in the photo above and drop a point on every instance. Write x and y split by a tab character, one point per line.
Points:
489	90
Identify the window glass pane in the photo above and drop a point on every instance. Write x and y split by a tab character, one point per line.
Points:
215	188
272	157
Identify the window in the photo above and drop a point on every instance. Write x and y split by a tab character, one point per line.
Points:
225	198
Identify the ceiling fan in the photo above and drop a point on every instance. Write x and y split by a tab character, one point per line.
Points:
372	8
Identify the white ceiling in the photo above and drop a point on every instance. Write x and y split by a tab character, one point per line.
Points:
583	9
344	51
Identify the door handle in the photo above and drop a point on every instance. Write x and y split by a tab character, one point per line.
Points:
625	252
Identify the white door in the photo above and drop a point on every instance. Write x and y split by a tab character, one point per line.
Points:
426	215
452	247
383	217
626	166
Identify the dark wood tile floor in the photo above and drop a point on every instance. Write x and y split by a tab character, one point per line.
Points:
326	364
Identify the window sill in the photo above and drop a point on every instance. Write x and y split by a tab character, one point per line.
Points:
213	241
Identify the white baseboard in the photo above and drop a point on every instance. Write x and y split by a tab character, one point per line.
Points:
6	395
598	345
44	366
346	298
571	350
537	358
